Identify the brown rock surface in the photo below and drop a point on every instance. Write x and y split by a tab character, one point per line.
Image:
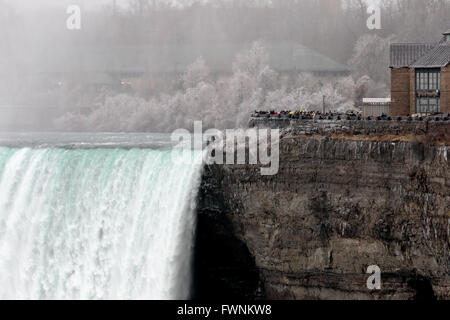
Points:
335	207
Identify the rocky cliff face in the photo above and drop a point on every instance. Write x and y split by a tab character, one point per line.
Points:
336	207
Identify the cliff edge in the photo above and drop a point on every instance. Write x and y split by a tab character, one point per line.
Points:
344	199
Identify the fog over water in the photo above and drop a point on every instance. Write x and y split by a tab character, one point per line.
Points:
154	66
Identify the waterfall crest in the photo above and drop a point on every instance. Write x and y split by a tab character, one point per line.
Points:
96	223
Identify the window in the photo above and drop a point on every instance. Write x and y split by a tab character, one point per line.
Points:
428	105
428	80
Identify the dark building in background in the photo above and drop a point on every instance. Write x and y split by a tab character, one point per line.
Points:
106	63
420	77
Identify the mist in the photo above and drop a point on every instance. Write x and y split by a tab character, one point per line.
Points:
155	66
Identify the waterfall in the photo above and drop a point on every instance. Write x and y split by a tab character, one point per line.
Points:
96	223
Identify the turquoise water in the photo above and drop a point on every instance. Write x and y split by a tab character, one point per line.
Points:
96	223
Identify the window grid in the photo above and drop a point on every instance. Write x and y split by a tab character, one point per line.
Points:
428	80
428	105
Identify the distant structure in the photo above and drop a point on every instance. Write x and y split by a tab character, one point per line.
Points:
420	77
110	65
374	107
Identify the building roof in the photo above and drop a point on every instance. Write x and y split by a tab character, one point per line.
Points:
436	58
421	55
284	56
404	54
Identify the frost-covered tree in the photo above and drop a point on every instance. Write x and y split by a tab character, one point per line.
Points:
196	73
224	103
371	58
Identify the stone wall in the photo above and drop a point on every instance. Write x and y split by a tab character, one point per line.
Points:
445	89
373	127
400	91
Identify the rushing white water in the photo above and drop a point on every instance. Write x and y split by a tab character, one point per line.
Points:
96	224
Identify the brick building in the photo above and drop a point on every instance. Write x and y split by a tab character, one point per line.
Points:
420	77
